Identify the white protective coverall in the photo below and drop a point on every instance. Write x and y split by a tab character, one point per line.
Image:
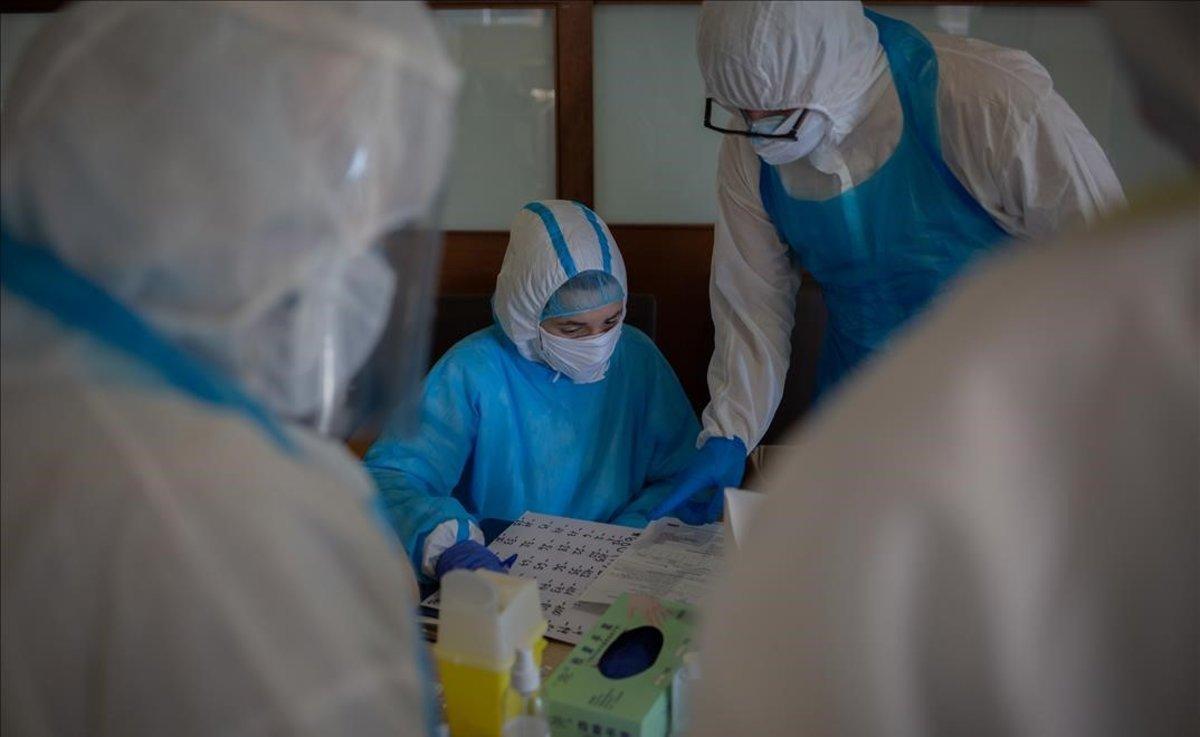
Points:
994	529
222	170
1011	141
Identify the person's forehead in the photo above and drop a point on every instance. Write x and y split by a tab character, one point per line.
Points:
603	312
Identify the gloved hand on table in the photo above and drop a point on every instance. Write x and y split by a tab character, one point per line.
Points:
468	555
721	462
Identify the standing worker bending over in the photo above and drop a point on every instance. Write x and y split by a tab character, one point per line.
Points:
883	161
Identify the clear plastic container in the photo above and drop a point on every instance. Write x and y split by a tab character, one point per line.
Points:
683	686
530	719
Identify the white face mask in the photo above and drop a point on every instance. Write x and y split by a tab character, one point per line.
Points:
777	151
582	360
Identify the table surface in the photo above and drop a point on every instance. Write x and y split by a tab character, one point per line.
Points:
555	653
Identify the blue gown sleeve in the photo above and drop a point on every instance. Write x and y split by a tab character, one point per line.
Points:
672	428
416	475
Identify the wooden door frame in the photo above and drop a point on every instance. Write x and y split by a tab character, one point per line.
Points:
574	160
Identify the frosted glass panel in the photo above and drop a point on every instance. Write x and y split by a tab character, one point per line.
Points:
16	30
655	163
504	145
1072	44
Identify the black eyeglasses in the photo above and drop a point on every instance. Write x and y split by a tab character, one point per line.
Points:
708	106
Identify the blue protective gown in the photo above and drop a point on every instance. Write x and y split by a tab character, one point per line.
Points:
883	249
500	437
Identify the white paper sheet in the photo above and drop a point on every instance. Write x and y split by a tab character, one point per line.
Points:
741	507
564	556
670	561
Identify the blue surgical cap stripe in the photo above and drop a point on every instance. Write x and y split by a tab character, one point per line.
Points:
556	237
605	254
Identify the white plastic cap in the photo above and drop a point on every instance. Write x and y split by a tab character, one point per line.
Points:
526	678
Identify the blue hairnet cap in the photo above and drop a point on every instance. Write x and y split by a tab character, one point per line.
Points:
583	292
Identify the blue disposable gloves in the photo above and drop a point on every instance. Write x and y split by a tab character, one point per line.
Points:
692	512
468	555
720	462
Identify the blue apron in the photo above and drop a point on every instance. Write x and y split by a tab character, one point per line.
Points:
883	249
41	278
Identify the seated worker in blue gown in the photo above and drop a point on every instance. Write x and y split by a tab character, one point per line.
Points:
556	408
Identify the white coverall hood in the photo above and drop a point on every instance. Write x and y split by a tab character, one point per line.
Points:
544	251
225	169
823	56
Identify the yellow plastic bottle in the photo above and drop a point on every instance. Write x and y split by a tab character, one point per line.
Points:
484	619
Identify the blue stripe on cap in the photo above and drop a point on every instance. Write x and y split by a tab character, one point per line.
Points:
605	253
556	237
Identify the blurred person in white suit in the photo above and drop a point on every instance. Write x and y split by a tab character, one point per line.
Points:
212	212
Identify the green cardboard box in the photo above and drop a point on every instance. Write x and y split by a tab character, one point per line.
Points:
590	695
